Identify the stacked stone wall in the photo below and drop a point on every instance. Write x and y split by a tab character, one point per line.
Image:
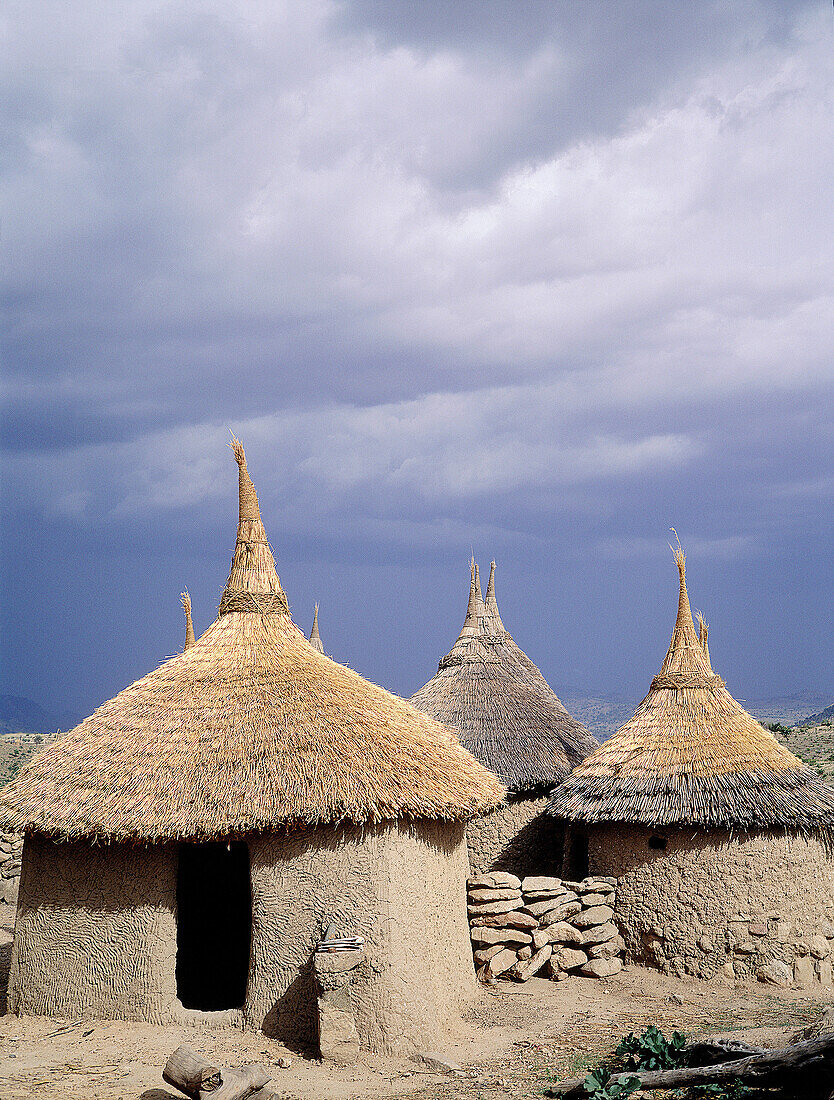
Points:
706	904
543	925
11	851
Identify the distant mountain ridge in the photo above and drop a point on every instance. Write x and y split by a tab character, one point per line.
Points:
21	715
826	715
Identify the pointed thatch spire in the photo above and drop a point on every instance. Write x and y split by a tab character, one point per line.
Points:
253	584
491	603
692	755
501	706
703	635
185	599
315	639
248	731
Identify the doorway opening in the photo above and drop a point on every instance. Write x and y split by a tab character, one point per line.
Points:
214	925
578	855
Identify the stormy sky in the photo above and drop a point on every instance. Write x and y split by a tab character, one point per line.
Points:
535	280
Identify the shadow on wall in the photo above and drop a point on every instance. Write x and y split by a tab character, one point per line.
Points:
536	849
5	963
299	1003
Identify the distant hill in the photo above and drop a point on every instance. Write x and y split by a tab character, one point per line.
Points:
826	715
21	715
812	744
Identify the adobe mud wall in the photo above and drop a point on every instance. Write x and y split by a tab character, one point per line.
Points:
95	934
11	848
516	837
393	885
755	905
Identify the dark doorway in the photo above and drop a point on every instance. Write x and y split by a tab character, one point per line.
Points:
214	925
578	855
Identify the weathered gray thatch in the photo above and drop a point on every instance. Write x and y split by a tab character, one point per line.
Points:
247	729
503	709
692	755
315	637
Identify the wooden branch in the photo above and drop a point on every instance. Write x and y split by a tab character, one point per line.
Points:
192	1074
711	1052
809	1065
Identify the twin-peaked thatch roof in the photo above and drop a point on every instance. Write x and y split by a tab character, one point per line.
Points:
692	755
315	637
247	729
501	706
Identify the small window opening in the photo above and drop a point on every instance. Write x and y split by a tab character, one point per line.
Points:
658	842
578	856
214	925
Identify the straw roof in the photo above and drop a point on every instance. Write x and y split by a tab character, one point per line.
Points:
248	729
692	755
315	638
502	707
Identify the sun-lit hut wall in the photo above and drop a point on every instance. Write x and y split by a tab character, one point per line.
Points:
508	717
251	790
719	837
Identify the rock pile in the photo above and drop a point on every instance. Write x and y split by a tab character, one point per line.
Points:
543	926
11	847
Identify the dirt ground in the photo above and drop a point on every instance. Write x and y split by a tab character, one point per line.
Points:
515	1040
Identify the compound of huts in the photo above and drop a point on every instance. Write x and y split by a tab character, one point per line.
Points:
720	838
189	842
509	718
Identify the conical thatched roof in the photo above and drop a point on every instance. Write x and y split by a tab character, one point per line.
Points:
315	637
248	729
692	755
501	706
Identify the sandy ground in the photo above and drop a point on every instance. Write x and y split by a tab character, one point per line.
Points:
514	1041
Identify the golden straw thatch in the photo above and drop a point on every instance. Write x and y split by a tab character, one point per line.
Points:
185	599
315	637
248	729
501	706
692	754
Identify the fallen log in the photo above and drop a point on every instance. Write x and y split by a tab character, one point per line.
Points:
194	1075
805	1069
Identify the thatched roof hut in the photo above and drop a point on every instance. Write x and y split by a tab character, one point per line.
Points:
508	717
705	819
315	637
692	754
322	790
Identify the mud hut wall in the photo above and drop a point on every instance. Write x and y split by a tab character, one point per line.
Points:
430	976
390	884
713	901
516	837
95	935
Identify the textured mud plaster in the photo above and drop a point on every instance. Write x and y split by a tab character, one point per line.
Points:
516	837
95	934
402	888
708	899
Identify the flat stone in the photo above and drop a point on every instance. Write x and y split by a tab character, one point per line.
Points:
746	947
801	948
827	930
775	973
803	971
500	962
546	905
499	894
514	919
608	950
782	931
493	879
500	935
602	880
591	900
523	971
484	954
757	928
438	1062
560	932
562	913
574	886
525	952
570	958
480	909
824	972
535	883
706	944
601	968
338	1037
542	895
337	964
589	918
600	933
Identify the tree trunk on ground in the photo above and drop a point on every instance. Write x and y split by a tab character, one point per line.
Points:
192	1074
806	1069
